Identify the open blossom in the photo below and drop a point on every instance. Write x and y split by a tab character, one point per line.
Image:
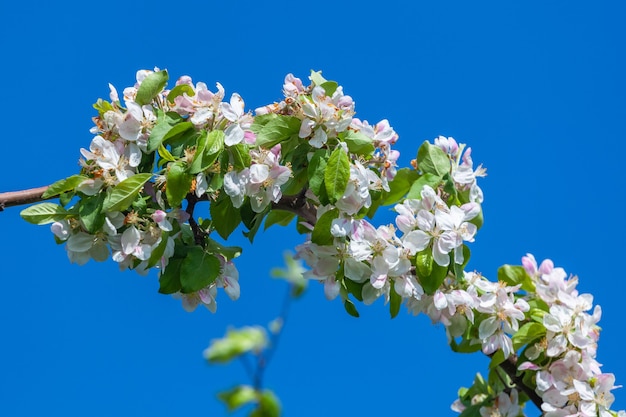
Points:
241	121
109	156
261	182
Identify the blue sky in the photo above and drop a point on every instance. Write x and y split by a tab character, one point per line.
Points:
537	89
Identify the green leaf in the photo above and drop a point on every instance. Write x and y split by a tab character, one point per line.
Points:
329	87
415	191
236	343
514	275
237	397
178	183
395	301
198	270
276	130
496	359
252	220
179	90
158	251
169	281
432	159
357	142
280	217
225	216
399	186
229	252
431	275
321	232
150	87
208	151
316	170
44	213
240	156
528	333
337	174
350	308
162	130
124	193
64	185
90	212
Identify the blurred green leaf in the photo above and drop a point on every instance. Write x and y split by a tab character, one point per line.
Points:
236	343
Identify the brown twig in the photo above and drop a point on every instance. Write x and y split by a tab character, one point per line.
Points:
20	198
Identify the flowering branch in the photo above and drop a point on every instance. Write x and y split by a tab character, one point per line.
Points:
308	156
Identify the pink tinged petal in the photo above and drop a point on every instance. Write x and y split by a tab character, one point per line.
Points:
130	240
306	127
80	242
425	220
441	257
556	345
190	302
134	155
331	288
90	186
259	173
234	135
356	271
487	327
528	365
415	241
584	390
554	397
319	138
143	252
440	301
61	229
530	264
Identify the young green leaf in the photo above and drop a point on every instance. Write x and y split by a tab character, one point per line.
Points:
399	186
528	333
514	275
357	142
90	212
321	232
225	216
316	170
44	213
432	159
179	90
276	130
350	308
61	186
337	174
150	87
169	281
208	150
429	179
124	193
178	183
395	301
